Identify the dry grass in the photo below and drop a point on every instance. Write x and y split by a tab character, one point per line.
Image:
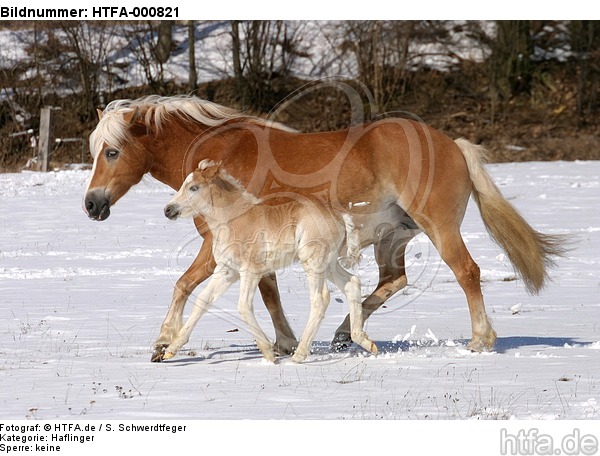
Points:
539	126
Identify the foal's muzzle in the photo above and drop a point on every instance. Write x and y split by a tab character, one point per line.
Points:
97	204
172	211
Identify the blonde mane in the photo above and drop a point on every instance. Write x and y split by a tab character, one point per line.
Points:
112	129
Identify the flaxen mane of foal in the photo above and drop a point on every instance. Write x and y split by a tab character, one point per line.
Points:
252	239
408	178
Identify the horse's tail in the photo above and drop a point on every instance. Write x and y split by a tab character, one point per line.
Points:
530	251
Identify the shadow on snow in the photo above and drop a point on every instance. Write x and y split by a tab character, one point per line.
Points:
249	352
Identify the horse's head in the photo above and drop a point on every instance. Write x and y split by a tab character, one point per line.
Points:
120	161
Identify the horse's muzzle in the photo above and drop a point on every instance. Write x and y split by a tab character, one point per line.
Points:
172	211
97	204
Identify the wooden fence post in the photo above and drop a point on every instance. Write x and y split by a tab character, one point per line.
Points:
45	142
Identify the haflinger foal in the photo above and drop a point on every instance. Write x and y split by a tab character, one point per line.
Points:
252	239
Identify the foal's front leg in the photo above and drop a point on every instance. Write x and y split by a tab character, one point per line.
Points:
200	270
220	281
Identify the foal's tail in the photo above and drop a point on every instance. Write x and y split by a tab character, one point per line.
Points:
352	242
530	251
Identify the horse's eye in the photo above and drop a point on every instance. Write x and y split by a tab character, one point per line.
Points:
193	188
111	154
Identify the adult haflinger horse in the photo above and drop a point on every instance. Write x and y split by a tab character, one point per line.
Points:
252	239
396	177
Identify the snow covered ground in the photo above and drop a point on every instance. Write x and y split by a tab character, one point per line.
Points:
82	302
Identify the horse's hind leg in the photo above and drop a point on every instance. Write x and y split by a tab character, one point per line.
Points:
452	248
200	269
285	341
248	284
389	255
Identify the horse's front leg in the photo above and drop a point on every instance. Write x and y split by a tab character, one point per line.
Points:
200	269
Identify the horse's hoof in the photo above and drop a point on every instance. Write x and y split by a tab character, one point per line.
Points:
285	346
479	346
159	354
341	342
484	343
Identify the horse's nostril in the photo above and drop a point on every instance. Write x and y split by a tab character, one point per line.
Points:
97	205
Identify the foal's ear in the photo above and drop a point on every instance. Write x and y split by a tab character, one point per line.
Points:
210	170
100	113
131	117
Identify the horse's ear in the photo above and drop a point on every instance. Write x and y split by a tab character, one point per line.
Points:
132	116
100	113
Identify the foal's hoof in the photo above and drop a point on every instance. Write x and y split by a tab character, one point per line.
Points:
270	356
371	347
299	357
159	353
341	342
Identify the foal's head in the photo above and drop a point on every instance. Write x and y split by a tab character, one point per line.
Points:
205	189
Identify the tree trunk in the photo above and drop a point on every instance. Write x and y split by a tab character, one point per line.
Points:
510	68
236	49
511	58
585	44
193	76
165	41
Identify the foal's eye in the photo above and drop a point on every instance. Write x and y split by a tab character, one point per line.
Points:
193	188
111	154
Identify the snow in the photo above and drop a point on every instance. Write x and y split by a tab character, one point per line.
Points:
82	303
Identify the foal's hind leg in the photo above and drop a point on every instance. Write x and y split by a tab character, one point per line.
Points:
392	278
350	286
319	300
